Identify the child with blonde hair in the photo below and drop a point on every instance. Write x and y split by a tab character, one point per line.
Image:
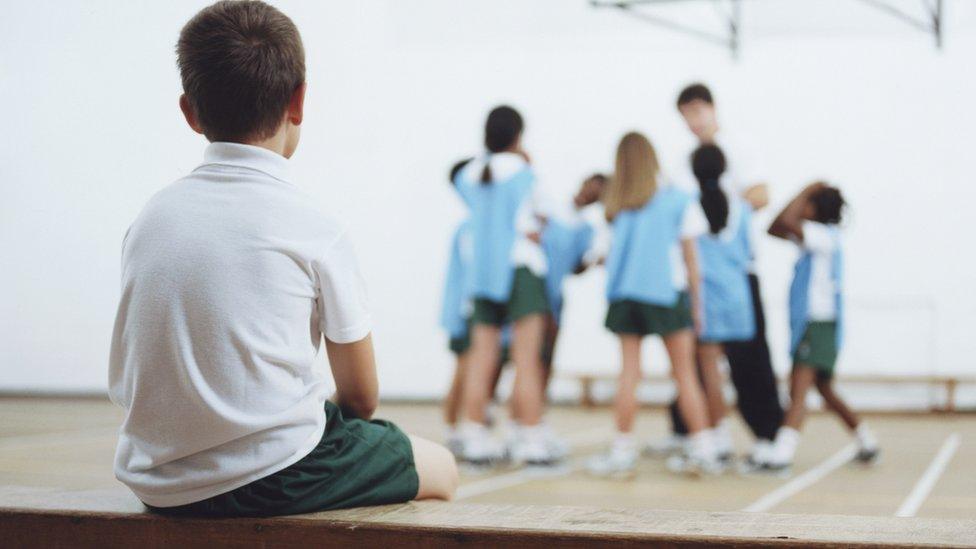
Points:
653	288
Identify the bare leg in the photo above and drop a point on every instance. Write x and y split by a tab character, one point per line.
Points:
708	356
837	404
482	360
625	403
691	397
801	380
436	469
452	402
526	347
548	351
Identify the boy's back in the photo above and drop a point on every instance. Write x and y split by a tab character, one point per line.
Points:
225	276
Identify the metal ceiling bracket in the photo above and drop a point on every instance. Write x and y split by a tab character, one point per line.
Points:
731	20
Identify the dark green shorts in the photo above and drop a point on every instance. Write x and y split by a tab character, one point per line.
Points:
818	348
528	297
357	463
460	345
633	317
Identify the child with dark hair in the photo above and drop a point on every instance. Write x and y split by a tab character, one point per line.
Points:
508	287
725	254
231	279
816	317
750	367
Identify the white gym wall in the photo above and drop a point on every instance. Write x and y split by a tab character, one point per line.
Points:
398	91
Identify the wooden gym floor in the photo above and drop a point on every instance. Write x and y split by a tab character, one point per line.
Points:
925	471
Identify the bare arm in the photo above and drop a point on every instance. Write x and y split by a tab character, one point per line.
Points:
789	222
757	195
690	253
354	371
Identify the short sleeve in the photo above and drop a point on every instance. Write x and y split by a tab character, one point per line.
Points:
746	167
343	307
817	237
693	221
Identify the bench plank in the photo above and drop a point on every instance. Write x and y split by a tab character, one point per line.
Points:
114	518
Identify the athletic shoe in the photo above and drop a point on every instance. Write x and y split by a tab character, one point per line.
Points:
667	446
868	456
534	451
782	468
683	464
557	446
456	446
479	447
617	462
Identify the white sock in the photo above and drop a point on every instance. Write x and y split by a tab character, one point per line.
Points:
722	437
761	450
531	433
865	438
623	442
784	447
450	432
701	445
469	429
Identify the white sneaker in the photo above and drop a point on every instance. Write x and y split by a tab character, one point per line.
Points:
696	466
620	461
534	452
667	446
868	451
761	453
455	444
557	446
479	447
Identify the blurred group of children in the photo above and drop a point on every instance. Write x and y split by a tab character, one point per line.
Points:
679	264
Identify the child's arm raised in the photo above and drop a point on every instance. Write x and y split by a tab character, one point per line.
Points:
354	371
789	222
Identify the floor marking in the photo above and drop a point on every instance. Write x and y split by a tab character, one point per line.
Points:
931	475
801	482
527	474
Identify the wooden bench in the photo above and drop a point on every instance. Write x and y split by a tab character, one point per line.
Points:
948	383
40	517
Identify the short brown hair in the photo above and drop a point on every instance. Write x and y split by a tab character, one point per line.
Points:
240	62
634	180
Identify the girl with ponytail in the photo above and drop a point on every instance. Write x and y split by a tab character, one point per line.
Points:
725	255
507	288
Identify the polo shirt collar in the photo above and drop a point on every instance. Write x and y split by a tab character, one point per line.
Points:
247	156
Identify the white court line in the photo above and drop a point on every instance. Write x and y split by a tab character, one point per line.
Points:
803	481
521	476
931	475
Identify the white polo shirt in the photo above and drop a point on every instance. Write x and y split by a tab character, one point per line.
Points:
230	277
821	241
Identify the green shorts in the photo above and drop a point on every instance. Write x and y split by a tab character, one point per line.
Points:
528	297
634	317
460	345
818	348
357	463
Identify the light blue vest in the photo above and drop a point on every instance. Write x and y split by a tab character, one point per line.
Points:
564	245
639	264
493	210
726	295
455	307
800	294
